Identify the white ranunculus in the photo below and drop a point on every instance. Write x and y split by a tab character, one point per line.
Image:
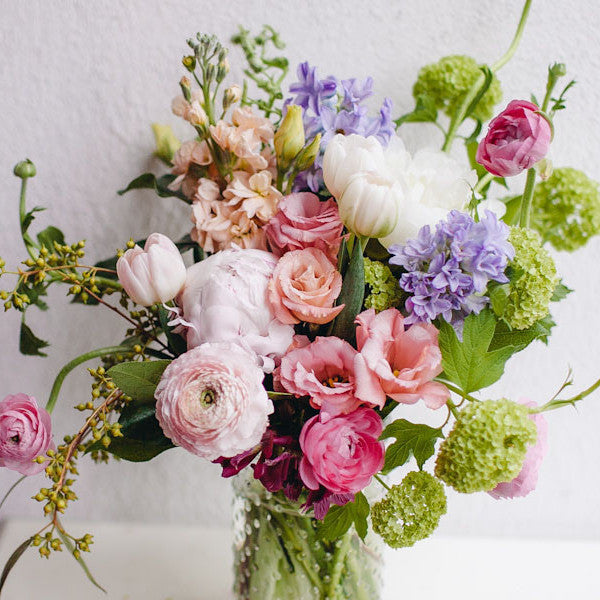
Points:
369	204
224	300
349	154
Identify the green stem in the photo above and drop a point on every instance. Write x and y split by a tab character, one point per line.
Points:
527	199
382	482
554	404
483	182
339	558
109	350
279	182
461	113
456	390
12	487
452	407
27	240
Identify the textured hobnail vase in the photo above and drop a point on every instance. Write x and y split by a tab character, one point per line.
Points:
279	555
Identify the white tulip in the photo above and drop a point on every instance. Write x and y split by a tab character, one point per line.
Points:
345	156
369	204
155	274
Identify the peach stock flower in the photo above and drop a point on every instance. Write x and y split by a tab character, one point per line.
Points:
304	287
189	154
254	194
397	362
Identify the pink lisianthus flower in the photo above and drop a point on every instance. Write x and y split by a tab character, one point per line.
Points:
397	362
303	221
211	401
343	453
304	287
516	139
324	371
524	483
25	434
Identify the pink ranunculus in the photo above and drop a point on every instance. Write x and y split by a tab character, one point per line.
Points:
224	300
525	482
25	434
324	371
303	221
343	453
516	139
397	362
154	274
211	401
304	287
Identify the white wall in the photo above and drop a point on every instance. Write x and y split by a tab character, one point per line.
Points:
80	83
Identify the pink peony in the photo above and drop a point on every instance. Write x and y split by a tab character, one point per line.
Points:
303	221
343	453
211	401
516	139
525	482
25	434
323	370
304	287
396	362
224	300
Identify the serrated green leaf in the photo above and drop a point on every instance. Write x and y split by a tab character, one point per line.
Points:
49	236
340	518
519	339
351	296
148	181
424	111
469	363
413	439
12	561
138	379
29	344
499	295
561	291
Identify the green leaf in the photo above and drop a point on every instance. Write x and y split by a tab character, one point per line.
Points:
49	236
176	343
132	450
519	339
148	181
340	518
499	295
71	547
561	291
470	363
12	561
424	111
138	379
29	344
352	295
489	77
411	439
29	217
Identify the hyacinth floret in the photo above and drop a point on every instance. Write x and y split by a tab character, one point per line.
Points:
384	290
448	269
533	278
486	446
331	106
410	511
566	209
447	81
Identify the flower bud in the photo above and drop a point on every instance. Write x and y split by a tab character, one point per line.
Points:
307	155
25	169
196	114
544	168
289	138
232	95
166	142
189	62
369	205
222	69
186	88
155	274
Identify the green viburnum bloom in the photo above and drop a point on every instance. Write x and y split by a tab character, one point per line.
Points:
448	80
410	511
566	209
486	446
384	288
532	279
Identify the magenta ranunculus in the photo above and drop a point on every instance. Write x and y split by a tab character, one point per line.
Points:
524	483
397	362
25	434
343	453
211	401
516	139
324	371
303	221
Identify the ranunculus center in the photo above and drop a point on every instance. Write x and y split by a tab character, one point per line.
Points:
15	438
207	397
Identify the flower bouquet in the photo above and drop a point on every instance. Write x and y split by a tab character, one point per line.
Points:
331	280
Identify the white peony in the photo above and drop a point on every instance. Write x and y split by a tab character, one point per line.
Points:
224	300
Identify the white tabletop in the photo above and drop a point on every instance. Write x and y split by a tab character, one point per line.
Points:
149	562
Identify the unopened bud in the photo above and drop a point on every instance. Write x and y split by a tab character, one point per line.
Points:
25	169
166	142
232	95
289	138
186	88
307	155
544	168
189	62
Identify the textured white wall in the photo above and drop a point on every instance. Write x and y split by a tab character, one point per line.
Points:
80	83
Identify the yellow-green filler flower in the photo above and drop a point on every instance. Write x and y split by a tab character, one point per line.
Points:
384	288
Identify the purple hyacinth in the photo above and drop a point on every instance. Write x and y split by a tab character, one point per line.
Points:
448	270
331	107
